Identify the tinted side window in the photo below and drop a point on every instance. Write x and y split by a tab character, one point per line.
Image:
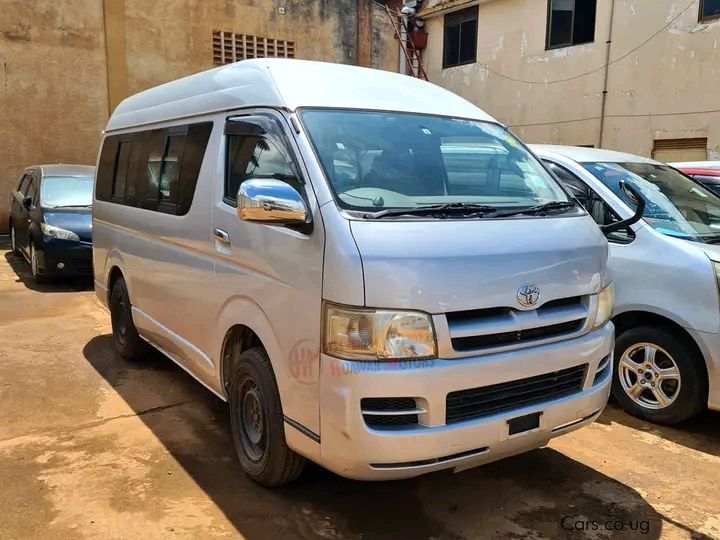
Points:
598	209
32	191
251	156
24	181
196	143
153	169
121	169
170	169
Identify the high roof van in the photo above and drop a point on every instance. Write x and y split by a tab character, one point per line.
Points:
375	274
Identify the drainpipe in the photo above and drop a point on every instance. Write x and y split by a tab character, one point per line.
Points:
607	74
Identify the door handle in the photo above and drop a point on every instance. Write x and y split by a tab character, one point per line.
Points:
221	236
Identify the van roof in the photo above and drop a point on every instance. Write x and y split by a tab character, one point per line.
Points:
289	84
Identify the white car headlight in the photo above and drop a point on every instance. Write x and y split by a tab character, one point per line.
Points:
606	303
376	334
57	232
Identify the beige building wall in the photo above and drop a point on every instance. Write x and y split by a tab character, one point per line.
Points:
53	89
64	65
663	90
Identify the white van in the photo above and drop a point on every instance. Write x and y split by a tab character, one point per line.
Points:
665	269
375	274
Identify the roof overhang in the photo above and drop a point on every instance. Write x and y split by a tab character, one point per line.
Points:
433	8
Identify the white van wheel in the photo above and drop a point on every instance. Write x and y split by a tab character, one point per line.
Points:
657	376
257	422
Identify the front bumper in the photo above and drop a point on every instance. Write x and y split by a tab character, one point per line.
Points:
352	449
74	257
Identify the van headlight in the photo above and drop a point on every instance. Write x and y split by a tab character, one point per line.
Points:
376	334
606	303
57	232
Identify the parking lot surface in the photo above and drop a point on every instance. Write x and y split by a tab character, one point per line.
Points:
95	447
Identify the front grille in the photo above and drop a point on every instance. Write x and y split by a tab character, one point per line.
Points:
497	398
519	336
487	328
389	412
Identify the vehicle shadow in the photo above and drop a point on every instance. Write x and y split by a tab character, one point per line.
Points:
20	266
528	495
701	433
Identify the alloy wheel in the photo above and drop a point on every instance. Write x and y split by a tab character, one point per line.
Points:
649	376
13	243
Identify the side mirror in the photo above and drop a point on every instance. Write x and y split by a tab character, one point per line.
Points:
27	203
267	200
634	195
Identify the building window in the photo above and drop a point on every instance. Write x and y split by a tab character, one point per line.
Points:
461	33
670	150
709	9
229	47
570	22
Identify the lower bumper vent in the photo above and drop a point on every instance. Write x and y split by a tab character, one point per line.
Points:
390	412
497	398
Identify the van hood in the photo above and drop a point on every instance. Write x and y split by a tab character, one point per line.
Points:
455	265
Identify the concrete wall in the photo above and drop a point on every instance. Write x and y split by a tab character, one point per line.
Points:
676	72
53	91
65	65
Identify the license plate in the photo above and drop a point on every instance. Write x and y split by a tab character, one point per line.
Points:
522	424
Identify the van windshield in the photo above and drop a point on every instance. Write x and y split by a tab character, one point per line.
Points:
381	160
675	204
66	191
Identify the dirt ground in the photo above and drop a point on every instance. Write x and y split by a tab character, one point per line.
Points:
94	447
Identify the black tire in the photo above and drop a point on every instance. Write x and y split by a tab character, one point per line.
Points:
13	241
128	342
689	396
256	419
35	267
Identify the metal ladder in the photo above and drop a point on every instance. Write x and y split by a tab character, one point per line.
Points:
413	56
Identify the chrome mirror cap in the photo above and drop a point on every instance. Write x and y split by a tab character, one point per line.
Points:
270	201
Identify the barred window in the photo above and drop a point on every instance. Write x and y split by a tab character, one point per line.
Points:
229	47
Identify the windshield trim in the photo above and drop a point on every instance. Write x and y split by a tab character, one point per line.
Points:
358	213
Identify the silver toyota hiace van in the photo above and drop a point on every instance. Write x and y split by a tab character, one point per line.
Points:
374	273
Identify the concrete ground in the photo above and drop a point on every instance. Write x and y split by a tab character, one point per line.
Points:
94	447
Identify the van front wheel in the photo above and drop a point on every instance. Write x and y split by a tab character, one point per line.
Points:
256	419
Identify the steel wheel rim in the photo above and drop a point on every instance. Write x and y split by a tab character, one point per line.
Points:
120	322
252	421
649	376
12	239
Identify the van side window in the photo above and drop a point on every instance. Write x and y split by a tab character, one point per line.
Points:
598	209
251	156
121	170
170	169
153	169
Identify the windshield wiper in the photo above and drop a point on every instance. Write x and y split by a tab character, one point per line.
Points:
455	209
73	206
538	210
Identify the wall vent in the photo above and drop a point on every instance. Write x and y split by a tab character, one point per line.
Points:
229	47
